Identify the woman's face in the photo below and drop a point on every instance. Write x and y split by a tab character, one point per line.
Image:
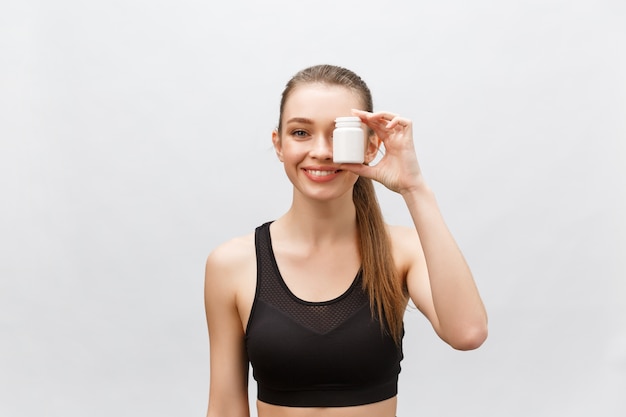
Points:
305	145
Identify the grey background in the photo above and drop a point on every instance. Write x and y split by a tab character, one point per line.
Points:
135	137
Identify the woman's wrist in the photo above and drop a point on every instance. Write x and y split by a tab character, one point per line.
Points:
418	189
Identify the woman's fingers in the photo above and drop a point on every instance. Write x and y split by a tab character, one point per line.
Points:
383	122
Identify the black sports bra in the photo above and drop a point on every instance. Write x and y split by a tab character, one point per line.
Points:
316	354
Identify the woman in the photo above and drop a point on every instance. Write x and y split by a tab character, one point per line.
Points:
314	300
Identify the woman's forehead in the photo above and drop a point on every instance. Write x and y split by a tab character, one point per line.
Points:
318	99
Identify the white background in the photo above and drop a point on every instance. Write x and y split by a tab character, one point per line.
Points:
135	137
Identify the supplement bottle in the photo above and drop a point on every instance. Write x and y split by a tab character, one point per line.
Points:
348	140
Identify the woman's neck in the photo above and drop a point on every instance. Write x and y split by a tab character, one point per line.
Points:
319	222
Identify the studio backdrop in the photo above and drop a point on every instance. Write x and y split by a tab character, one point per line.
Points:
135	138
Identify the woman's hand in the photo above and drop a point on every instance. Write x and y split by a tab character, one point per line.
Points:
398	169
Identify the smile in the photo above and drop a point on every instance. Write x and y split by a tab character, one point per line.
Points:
319	173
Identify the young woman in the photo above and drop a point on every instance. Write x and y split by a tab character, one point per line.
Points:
314	300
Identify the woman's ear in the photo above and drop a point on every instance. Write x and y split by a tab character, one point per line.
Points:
371	149
278	148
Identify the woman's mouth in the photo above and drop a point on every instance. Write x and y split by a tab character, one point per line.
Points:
321	175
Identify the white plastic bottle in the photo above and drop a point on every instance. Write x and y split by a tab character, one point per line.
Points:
348	140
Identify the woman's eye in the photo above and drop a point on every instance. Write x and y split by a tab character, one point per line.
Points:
299	133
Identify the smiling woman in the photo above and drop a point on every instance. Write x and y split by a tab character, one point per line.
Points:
303	141
314	300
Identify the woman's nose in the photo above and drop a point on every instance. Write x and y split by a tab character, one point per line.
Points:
322	147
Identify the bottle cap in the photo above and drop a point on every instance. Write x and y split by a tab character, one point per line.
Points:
345	119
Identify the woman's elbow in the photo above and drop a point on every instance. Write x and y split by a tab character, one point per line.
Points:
470	338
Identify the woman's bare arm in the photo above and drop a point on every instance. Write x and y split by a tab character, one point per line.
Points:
228	389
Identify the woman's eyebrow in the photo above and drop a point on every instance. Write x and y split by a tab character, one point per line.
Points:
300	120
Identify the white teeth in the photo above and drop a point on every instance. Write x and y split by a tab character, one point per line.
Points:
320	173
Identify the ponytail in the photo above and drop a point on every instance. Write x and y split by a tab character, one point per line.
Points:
380	277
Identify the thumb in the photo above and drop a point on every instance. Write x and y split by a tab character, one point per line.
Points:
359	169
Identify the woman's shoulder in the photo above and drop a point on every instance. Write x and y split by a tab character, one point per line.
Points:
402	235
232	253
230	270
230	265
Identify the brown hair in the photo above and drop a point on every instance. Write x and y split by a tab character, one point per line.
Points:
380	277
